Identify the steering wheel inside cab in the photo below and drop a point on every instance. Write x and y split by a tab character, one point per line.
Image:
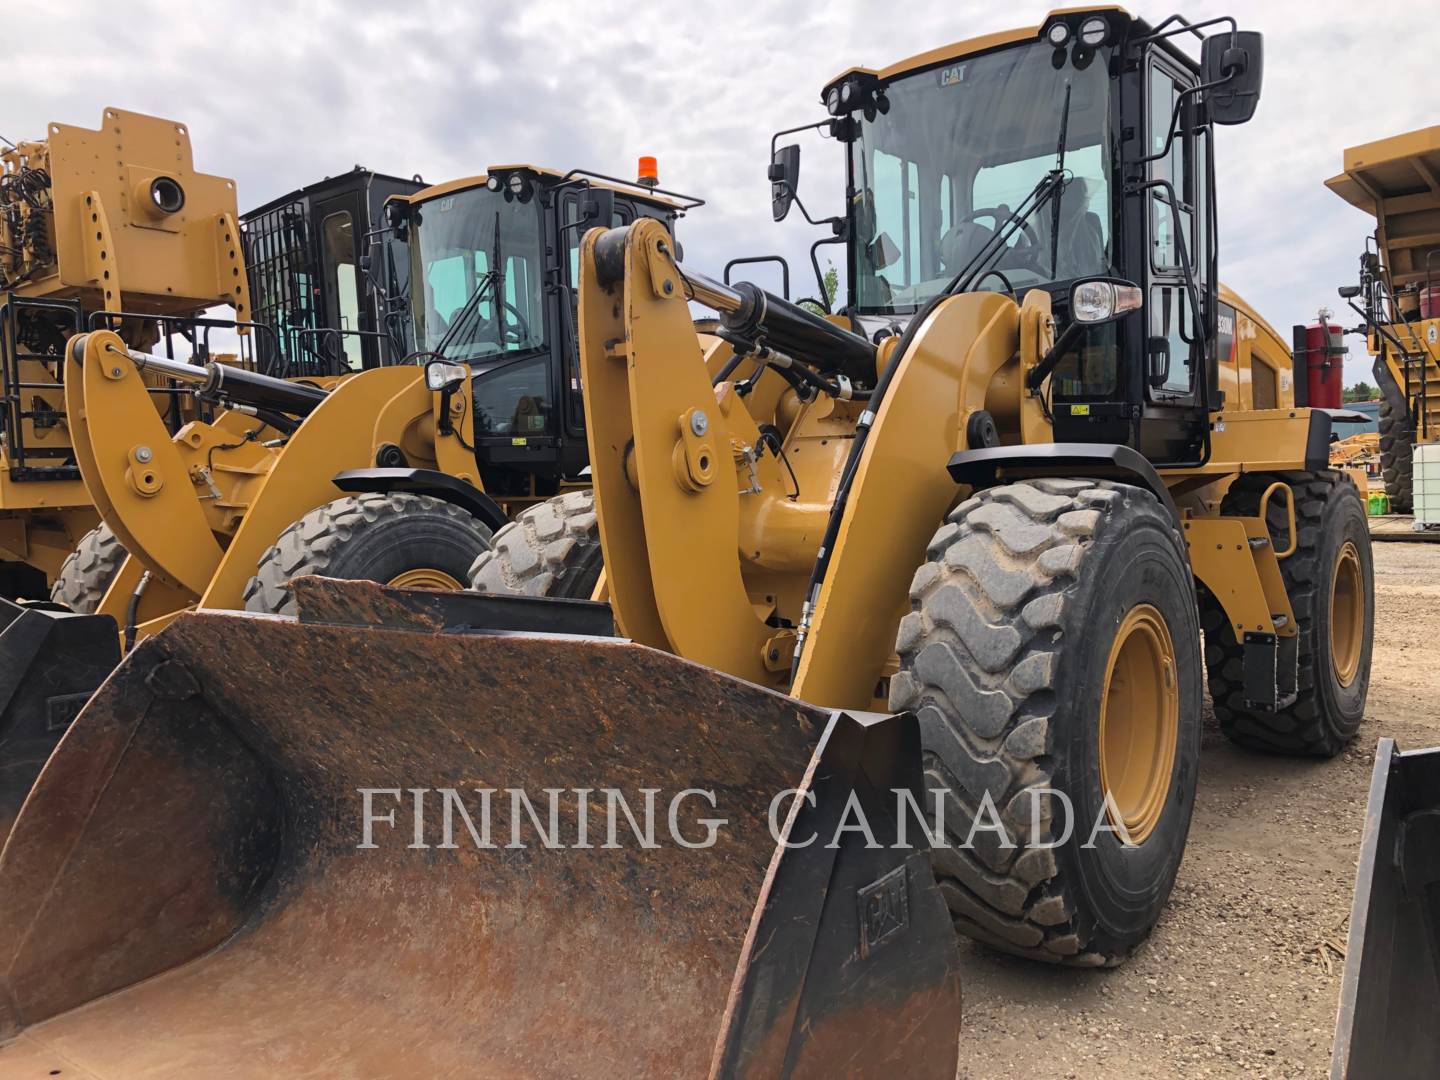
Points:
966	239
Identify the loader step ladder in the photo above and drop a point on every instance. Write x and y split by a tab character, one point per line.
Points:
23	403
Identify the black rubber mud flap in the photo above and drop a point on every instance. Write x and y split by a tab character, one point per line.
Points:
1389	1021
191	866
51	661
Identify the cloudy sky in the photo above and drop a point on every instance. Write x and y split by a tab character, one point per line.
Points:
278	95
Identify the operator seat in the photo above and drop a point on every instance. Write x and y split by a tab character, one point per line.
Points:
1081	249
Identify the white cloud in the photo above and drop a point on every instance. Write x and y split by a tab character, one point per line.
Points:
277	95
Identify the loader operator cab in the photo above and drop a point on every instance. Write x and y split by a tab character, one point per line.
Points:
1040	160
494	267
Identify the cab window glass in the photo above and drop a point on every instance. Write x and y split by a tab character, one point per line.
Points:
342	284
1170	320
514	400
1167	217
574	234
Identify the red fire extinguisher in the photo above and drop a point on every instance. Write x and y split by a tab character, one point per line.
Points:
1325	363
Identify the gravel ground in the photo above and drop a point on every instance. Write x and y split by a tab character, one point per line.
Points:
1238	978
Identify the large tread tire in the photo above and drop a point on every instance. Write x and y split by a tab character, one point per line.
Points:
370	537
1325	715
87	572
550	549
1002	659
1397	453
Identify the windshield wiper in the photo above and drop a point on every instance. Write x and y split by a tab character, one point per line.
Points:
467	310
1046	191
1060	168
490	282
1050	184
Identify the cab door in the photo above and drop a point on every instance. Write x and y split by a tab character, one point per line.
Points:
1178	359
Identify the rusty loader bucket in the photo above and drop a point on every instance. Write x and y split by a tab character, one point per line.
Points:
264	849
1389	1023
51	661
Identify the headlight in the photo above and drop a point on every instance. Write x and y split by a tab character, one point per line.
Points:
846	93
493	183
517	183
1101	301
1058	34
443	375
832	101
1094	31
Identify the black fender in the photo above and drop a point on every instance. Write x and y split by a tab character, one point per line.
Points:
1102	461
1317	442
430	482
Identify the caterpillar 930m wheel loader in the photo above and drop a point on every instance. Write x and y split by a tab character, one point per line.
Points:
1395	180
934	499
319	311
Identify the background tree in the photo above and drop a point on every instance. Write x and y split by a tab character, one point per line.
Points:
1361	391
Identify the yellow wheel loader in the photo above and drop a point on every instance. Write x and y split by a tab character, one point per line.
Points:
937	501
1000	493
1398	295
397	473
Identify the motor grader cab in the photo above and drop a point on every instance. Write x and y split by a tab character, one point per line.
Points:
329	277
113	227
1398	301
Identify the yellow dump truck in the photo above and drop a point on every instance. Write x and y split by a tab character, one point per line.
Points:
1397	181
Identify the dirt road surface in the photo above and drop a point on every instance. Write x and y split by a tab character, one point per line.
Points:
1239	978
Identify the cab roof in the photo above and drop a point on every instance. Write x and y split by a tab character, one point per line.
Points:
550	178
971	46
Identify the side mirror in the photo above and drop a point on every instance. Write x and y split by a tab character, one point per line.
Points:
1349	292
598	207
1237	62
784	176
1157	360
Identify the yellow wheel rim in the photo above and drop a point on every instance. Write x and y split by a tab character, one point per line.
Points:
425	577
1139	722
1347	614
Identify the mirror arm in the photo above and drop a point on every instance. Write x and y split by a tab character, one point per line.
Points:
775	139
1185	26
823	297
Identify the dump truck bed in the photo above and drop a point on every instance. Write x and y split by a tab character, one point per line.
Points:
1398	181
